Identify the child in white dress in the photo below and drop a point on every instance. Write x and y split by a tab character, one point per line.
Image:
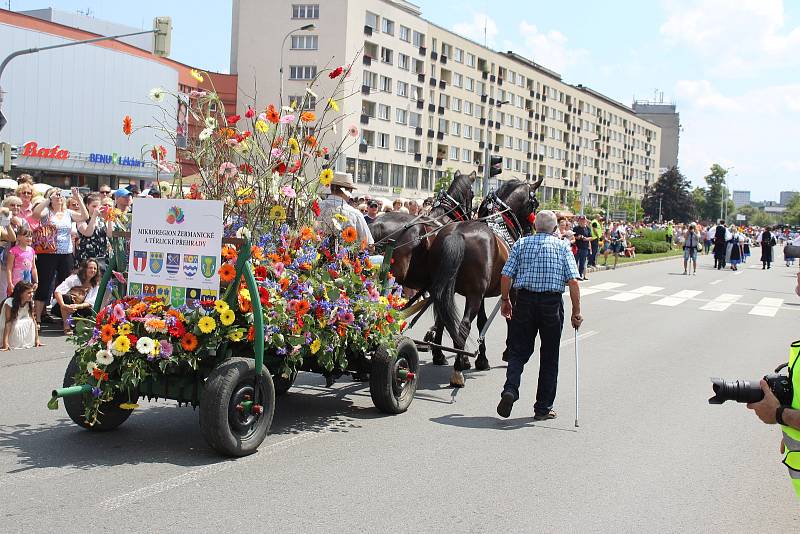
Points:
17	324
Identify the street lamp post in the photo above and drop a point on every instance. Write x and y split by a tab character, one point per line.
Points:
307	27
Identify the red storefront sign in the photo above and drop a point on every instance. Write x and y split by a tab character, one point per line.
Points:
32	150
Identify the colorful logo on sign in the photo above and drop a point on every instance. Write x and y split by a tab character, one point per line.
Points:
178	296
156	262
190	265
32	150
208	265
139	260
175	215
173	263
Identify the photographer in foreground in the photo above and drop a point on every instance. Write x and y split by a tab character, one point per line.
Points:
771	411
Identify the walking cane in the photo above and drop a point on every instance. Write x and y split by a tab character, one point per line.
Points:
577	396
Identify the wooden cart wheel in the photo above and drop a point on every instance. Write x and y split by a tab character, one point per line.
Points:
282	385
393	379
229	420
111	415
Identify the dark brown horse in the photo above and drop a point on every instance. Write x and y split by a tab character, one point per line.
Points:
467	258
412	235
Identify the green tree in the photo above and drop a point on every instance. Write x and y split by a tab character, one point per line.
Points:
713	193
444	182
671	191
755	216
792	213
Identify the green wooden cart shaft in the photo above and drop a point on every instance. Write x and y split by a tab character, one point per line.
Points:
72	390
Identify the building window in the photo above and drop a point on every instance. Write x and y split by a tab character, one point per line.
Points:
371	20
387	26
380	173
370	79
402	89
418	66
399	143
413	146
383	140
403	61
302	102
470	85
465	155
302	72
443	125
385	84
384	112
386	55
467	133
368	138
455	104
455	128
364	172
397	176
405	34
414	120
470	60
447	50
457	79
467	107
305	11
419	39
401	116
412	176
454	153
305	42
459	55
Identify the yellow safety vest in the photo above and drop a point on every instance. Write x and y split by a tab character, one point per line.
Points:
791	436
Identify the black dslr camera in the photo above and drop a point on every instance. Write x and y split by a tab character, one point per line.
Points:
747	391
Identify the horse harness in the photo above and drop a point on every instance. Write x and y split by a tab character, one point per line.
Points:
502	220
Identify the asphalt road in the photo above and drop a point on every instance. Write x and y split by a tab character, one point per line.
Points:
650	453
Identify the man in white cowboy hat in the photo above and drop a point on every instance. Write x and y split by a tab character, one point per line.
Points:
337	203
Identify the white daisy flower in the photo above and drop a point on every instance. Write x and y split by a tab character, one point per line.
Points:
312	93
157	94
243	233
145	345
211	122
205	134
103	357
90	367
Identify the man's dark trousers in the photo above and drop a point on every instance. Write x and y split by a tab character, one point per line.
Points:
533	313
580	258
593	254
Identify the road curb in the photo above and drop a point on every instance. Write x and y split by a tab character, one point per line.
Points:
635	263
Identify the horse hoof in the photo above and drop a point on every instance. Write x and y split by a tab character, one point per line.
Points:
482	364
439	359
454	385
457	380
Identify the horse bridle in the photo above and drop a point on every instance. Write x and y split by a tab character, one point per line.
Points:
450	205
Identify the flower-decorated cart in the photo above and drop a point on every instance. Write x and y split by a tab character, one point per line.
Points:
290	297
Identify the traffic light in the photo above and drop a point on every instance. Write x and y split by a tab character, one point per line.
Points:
162	35
9	154
495	165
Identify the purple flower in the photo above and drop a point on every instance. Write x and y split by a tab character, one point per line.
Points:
166	348
96	392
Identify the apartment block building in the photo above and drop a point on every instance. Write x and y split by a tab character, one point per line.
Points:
426	100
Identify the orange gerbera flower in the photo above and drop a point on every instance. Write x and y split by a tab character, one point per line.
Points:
229	252
245	305
311	141
272	115
257	253
227	272
302	307
306	233
273	257
189	342
107	333
349	234
308	116
284	283
127	125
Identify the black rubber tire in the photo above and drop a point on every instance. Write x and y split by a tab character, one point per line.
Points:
112	415
388	394
226	430
282	385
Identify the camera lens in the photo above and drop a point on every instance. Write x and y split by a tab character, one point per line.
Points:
744	391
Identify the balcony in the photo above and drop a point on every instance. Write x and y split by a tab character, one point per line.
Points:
362	148
530	113
537	117
530	155
421	77
440	110
497	125
483	121
499	81
420	104
364	119
492	78
423	50
530	135
434	55
417	157
491	101
429	160
418	130
366	60
541	157
432	82
484	98
442	85
431	133
491	123
481	145
367	30
485	75
365	89
440	136
443	59
438	162
432	108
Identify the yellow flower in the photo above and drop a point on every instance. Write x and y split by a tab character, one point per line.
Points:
339	217
384	301
122	344
293	146
236	335
196	75
293	104
207	324
128	405
244	191
332	103
221	306
315	345
326	177
227	317
244	293
124	329
261	126
277	213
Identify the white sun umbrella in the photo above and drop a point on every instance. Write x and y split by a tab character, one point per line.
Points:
8	183
41	188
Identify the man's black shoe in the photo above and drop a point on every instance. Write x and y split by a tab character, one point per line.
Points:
506	402
544	416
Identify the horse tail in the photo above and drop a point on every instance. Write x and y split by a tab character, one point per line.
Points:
444	283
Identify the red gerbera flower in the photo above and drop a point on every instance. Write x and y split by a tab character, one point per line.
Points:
233	119
315	208
250	113
127	125
335	73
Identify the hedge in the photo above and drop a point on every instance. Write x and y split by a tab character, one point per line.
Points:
645	246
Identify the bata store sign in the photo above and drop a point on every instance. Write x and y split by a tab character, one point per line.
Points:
32	149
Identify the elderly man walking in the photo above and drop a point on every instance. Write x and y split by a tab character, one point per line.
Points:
336	203
539	268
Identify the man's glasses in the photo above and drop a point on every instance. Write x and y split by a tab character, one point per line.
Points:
103	192
26	193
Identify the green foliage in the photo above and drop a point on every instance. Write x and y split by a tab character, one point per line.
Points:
792	214
712	194
444	182
756	217
671	192
654	235
645	246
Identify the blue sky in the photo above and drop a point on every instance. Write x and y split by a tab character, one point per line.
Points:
730	65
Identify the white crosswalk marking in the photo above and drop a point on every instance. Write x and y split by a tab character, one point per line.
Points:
767	307
635	293
605	286
678	298
715	282
721	303
755	267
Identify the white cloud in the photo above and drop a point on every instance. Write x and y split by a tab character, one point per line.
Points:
701	94
549	48
739	36
481	25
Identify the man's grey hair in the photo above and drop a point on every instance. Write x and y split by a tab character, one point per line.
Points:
546	222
